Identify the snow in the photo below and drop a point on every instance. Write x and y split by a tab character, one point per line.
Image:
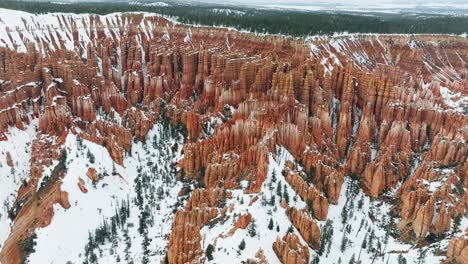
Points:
226	249
19	145
372	7
161	4
38	28
227	11
68	233
359	220
454	100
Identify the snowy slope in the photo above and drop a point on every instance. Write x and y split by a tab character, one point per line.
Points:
261	211
19	145
69	231
356	218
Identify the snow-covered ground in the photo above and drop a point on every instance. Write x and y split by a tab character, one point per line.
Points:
69	232
18	28
354	219
455	100
19	145
262	211
357	218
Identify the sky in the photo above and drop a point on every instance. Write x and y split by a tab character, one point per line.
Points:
435	6
356	2
413	5
363	3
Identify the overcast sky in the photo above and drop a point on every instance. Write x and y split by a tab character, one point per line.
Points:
345	2
312	2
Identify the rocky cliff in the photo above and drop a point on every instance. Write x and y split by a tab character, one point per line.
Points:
387	111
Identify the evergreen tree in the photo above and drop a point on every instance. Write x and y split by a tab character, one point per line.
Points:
360	203
90	157
364	243
252	228
344	241
325	237
270	224
421	256
63	159
209	252
401	259
456	224
315	260
273	176
242	245
272	200
278	189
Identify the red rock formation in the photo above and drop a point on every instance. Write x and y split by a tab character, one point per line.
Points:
91	173
290	251
307	193
193	126
82	186
242	222
382	118
307	227
9	161
457	250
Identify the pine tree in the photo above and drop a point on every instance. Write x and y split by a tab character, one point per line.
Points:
209	252
352	260
401	259
90	157
278	189
273	176
272	200
364	243
456	224
63	159
252	228
242	245
360	203
421	256
270	224
310	206
315	260
344	241
371	241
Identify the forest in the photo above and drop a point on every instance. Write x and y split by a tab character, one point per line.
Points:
272	21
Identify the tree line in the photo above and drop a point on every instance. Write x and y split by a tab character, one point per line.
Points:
274	21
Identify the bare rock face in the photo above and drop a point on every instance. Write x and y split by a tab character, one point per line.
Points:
193	126
309	194
185	239
35	213
91	173
457	250
82	186
307	226
242	222
290	251
9	161
395	119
